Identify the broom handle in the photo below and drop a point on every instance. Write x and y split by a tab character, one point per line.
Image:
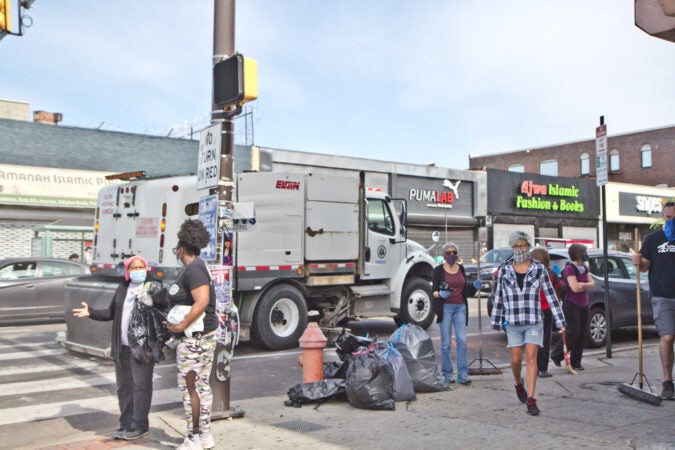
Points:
639	308
480	312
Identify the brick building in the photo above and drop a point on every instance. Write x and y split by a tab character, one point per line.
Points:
641	180
644	157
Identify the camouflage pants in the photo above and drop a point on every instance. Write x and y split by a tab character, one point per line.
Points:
196	355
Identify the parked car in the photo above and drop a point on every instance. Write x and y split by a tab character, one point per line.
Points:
488	264
622	292
34	288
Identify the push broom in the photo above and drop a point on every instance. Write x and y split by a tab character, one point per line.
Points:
480	370
640	392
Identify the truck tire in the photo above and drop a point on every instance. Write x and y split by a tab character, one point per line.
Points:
280	318
416	303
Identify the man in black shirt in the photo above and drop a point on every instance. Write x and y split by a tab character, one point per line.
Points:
658	256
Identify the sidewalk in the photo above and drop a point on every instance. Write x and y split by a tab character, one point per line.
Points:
576	411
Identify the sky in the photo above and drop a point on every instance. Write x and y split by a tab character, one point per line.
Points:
423	81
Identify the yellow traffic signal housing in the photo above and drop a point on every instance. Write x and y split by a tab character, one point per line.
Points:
5	16
235	81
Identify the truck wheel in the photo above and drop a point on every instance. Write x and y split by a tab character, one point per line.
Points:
597	327
280	318
416	303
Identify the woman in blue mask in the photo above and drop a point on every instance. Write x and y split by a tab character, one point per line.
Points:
134	377
451	308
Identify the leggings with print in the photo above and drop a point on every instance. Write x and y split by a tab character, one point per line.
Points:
196	354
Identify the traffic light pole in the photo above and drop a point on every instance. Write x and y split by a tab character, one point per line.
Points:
223	47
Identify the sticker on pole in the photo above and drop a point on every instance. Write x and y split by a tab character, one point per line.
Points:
208	166
208	214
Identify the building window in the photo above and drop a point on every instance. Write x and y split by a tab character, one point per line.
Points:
614	162
548	168
646	151
585	164
520	168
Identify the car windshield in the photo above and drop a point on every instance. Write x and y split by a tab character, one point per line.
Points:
496	256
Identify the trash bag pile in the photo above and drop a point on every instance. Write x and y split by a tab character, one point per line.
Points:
375	375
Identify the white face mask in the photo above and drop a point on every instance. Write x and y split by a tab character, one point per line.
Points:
521	255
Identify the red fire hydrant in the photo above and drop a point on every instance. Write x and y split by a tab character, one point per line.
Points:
312	343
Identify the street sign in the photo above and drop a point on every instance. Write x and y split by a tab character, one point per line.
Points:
601	155
208	214
208	166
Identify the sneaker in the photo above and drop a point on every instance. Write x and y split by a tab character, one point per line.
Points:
532	407
449	380
119	433
545	374
667	391
135	434
191	443
464	381
206	440
521	393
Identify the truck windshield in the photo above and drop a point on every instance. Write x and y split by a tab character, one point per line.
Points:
379	217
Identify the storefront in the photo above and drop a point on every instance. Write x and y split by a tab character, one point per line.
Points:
547	208
631	206
447	205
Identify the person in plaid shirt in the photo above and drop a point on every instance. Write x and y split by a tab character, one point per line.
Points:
517	309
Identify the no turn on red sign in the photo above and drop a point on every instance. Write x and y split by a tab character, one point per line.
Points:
208	166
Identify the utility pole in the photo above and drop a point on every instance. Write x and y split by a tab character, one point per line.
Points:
223	47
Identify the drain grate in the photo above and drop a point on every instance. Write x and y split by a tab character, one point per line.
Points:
300	426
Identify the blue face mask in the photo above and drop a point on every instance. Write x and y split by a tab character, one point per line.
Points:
138	276
669	229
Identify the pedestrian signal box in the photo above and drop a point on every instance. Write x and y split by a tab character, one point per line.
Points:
235	81
5	17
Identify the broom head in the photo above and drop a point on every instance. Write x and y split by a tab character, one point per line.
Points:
643	395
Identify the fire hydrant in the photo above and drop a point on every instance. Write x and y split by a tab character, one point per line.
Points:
312	343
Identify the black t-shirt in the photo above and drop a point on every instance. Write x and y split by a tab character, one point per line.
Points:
194	275
661	253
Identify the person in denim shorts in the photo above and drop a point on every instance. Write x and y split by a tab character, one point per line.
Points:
517	310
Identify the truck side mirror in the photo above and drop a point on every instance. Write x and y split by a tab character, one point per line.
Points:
403	216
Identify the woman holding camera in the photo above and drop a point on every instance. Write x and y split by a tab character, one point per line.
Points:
451	308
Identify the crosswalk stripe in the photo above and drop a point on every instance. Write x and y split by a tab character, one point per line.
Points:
34	387
27	345
59	384
31	354
47	367
83	406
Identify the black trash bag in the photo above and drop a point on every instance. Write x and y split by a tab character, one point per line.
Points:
335	369
370	382
347	343
403	383
316	392
417	350
147	333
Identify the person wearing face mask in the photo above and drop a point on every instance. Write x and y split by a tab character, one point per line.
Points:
451	308
657	255
578	279
517	310
194	355
133	376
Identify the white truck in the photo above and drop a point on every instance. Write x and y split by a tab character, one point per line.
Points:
317	244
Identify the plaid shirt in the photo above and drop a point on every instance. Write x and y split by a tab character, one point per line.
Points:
523	306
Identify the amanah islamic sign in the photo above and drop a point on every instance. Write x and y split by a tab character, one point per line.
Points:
549	197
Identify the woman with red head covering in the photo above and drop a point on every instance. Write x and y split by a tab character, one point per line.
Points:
134	376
